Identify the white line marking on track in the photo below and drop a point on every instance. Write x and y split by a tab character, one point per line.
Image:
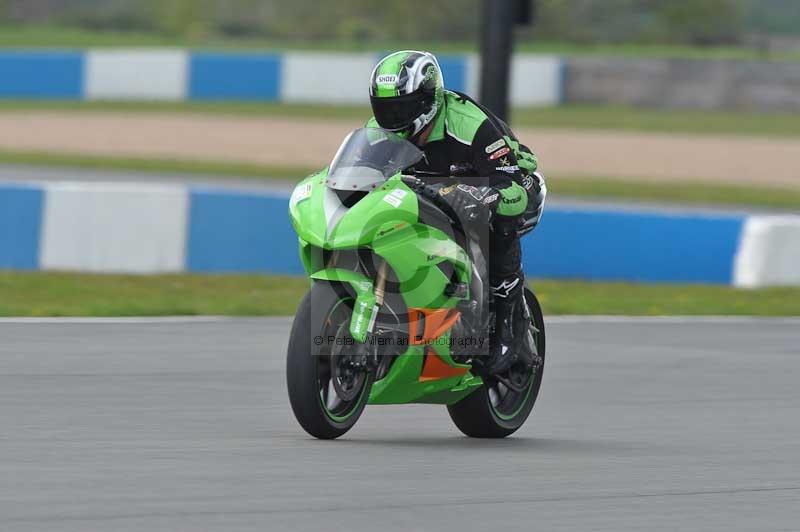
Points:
672	319
120	320
549	319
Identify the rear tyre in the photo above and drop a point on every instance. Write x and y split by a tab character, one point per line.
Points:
495	410
327	395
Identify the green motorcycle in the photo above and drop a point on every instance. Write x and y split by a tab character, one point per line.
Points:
399	310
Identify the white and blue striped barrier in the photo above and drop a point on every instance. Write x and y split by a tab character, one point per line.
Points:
176	75
98	227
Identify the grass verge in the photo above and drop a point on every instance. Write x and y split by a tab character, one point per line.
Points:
213	168
232	108
611	189
73	294
694	193
56	36
561	117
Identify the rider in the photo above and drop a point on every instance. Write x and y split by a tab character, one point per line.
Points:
461	137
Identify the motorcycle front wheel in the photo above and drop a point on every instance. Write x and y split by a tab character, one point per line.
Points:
494	410
327	393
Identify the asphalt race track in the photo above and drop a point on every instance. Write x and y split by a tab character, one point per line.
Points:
183	425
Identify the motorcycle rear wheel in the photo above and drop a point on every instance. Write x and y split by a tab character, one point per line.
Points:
317	355
494	410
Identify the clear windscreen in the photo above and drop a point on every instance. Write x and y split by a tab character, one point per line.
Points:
369	156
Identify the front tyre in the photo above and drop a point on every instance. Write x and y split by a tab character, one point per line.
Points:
494	410
327	392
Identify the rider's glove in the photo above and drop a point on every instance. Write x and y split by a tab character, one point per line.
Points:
535	185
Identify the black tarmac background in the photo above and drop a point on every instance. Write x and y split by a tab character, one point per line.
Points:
686	424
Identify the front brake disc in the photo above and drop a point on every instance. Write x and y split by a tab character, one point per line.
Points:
348	377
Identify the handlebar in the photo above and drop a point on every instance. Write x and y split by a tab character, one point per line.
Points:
430	192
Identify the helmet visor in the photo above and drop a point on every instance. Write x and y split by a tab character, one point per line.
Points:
397	113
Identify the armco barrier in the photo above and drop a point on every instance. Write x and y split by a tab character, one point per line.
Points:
600	244
20	226
234	231
326	77
135	74
337	78
145	228
113	228
216	76
769	252
174	74
42	75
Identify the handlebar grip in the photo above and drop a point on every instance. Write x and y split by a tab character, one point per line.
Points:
411	181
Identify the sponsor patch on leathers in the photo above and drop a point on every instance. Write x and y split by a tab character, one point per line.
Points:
494	146
499	153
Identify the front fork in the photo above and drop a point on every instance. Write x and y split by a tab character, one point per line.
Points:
365	314
369	299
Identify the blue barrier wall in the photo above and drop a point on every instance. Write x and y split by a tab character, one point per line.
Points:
221	76
454	72
234	232
174	74
20	226
240	232
633	246
54	75
223	230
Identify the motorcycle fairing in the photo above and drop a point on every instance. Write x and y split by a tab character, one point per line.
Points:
391	229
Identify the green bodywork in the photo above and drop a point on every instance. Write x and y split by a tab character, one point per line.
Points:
386	221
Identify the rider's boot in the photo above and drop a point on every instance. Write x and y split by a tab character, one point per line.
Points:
511	341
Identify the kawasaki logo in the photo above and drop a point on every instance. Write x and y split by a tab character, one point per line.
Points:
386	79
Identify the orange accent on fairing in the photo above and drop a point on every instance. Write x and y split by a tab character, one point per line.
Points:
437	322
435	368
